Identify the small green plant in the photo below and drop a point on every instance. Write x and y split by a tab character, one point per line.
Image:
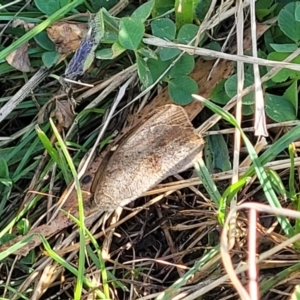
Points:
153	64
126	34
280	42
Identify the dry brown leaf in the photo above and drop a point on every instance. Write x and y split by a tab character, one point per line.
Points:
19	59
64	113
66	35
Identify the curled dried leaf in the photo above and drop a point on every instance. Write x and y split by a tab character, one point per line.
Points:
66	35
64	113
19	59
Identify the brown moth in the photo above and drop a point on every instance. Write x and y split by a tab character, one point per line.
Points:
162	144
165	144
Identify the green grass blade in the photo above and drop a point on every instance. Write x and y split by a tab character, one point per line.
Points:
48	146
292	173
276	148
81	263
272	282
208	183
26	158
228	195
257	165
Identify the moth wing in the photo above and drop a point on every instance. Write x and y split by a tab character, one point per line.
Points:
159	148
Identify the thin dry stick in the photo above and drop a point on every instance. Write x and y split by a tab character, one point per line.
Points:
276	165
204	24
224	46
253	288
232	273
260	117
223	12
155	41
38	77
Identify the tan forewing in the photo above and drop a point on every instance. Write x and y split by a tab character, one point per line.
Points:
169	114
165	144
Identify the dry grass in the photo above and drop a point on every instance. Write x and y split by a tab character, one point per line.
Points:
167	244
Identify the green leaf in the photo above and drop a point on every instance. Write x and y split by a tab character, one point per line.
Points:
264	7
218	94
279	108
110	53
161	7
50	58
184	12
268	39
168	53
181	90
164	28
4	172
291	94
6	238
6	184
97	4
147	52
292	191
143	71
29	259
202	9
105	53
23	226
284	47
131	33
157	67
262	4
284	74
248	110
64	2
297	11
231	88
143	12
5	68
43	40
288	23
262	13
216	153
110	37
187	32
184	66
117	50
213	46
48	7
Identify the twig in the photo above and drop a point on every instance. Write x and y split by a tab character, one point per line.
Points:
33	82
